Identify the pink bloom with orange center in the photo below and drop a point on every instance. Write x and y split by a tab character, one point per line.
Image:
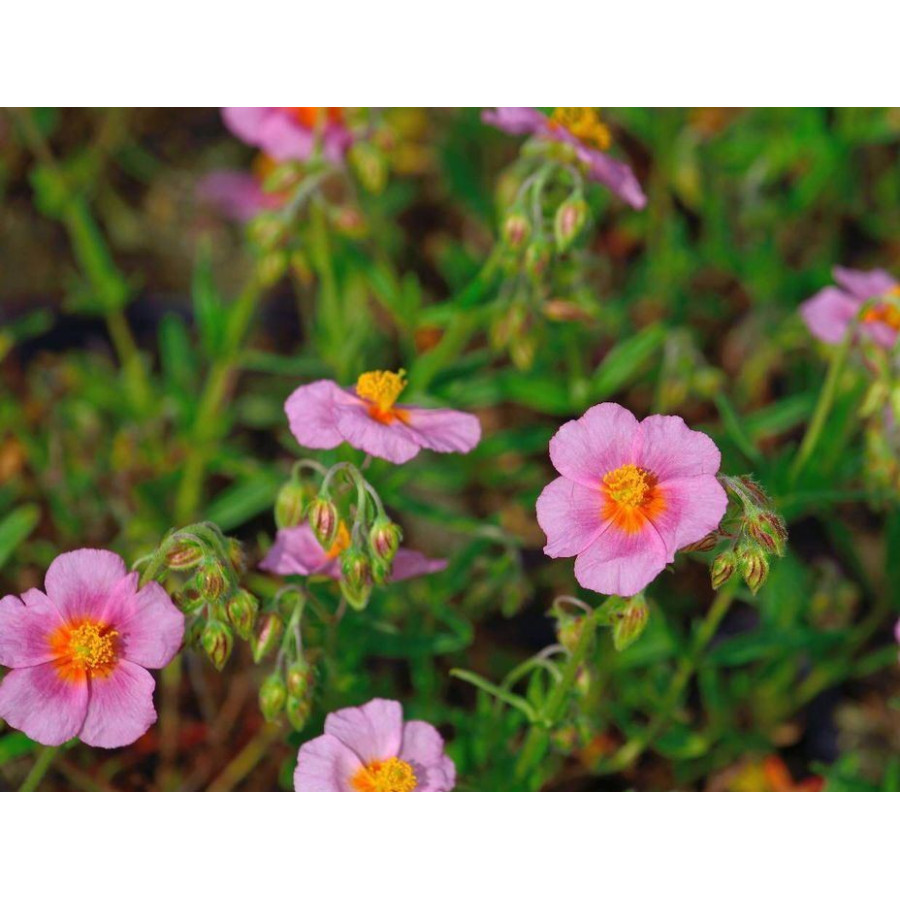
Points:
290	132
323	415
370	749
79	652
297	551
630	494
829	313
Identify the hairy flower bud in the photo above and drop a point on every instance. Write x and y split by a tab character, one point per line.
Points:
290	504
704	544
537	258
212	580
272	697
267	637
384	539
629	624
569	221
323	519
241	609
356	580
516	230
754	567
298	710
370	165
722	568
300	678
184	553
218	642
189	599
236	555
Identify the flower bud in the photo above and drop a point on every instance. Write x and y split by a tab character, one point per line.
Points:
193	635
569	222
298	710
629	624
300	678
189	599
356	580
236	555
568	628
184	553
722	568
241	609
218	642
384	539
754	567
290	505
212	580
272	697
704	544
267	230
537	258
516	230
370	166
268	636
357	596
323	519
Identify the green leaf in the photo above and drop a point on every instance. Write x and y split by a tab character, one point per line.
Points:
15	528
623	362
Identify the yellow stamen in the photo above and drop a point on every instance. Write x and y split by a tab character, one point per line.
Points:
381	388
584	123
394	775
628	485
884	314
88	648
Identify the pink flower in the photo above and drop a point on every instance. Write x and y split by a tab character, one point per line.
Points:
323	415
235	195
579	127
369	748
630	494
289	132
297	551
79	653
830	312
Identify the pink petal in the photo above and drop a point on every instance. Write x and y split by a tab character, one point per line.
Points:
622	563
585	449
444	430
120	708
395	442
235	195
245	122
423	748
669	449
612	173
515	119
864	285
79	583
296	551
372	731
411	564
282	138
311	415
325	764
828	313
571	516
694	508
150	626
25	627
48	708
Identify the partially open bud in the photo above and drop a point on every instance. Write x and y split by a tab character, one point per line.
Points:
267	637
629	623
242	608
754	567
323	519
569	222
516	230
300	678
217	642
184	553
384	539
704	544
272	697
722	568
189	599
290	504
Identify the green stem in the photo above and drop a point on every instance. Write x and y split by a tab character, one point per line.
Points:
630	751
39	769
535	747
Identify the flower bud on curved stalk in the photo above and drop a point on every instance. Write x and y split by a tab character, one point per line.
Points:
516	230
184	553
290	505
268	636
722	568
272	697
298	710
356	581
190	598
569	222
384	539
212	580
218	642
754	567
537	258
241	609
630	622
323	519
300	678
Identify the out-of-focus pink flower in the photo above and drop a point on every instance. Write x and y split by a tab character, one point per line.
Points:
235	195
829	313
630	495
370	748
297	551
289	132
323	415
582	130
79	653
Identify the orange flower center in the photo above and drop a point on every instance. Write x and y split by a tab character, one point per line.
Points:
308	116
583	123
340	543
632	497
884	314
88	648
381	389
388	775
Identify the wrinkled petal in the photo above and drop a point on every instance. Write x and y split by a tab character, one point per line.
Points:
622	563
325	764
296	551
828	313
80	582
585	449
669	449
693	508
48	708
235	195
245	122
514	119
571	515
372	731
120	708
411	563
26	624
395	442
311	415
423	748
443	430
615	175
864	285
